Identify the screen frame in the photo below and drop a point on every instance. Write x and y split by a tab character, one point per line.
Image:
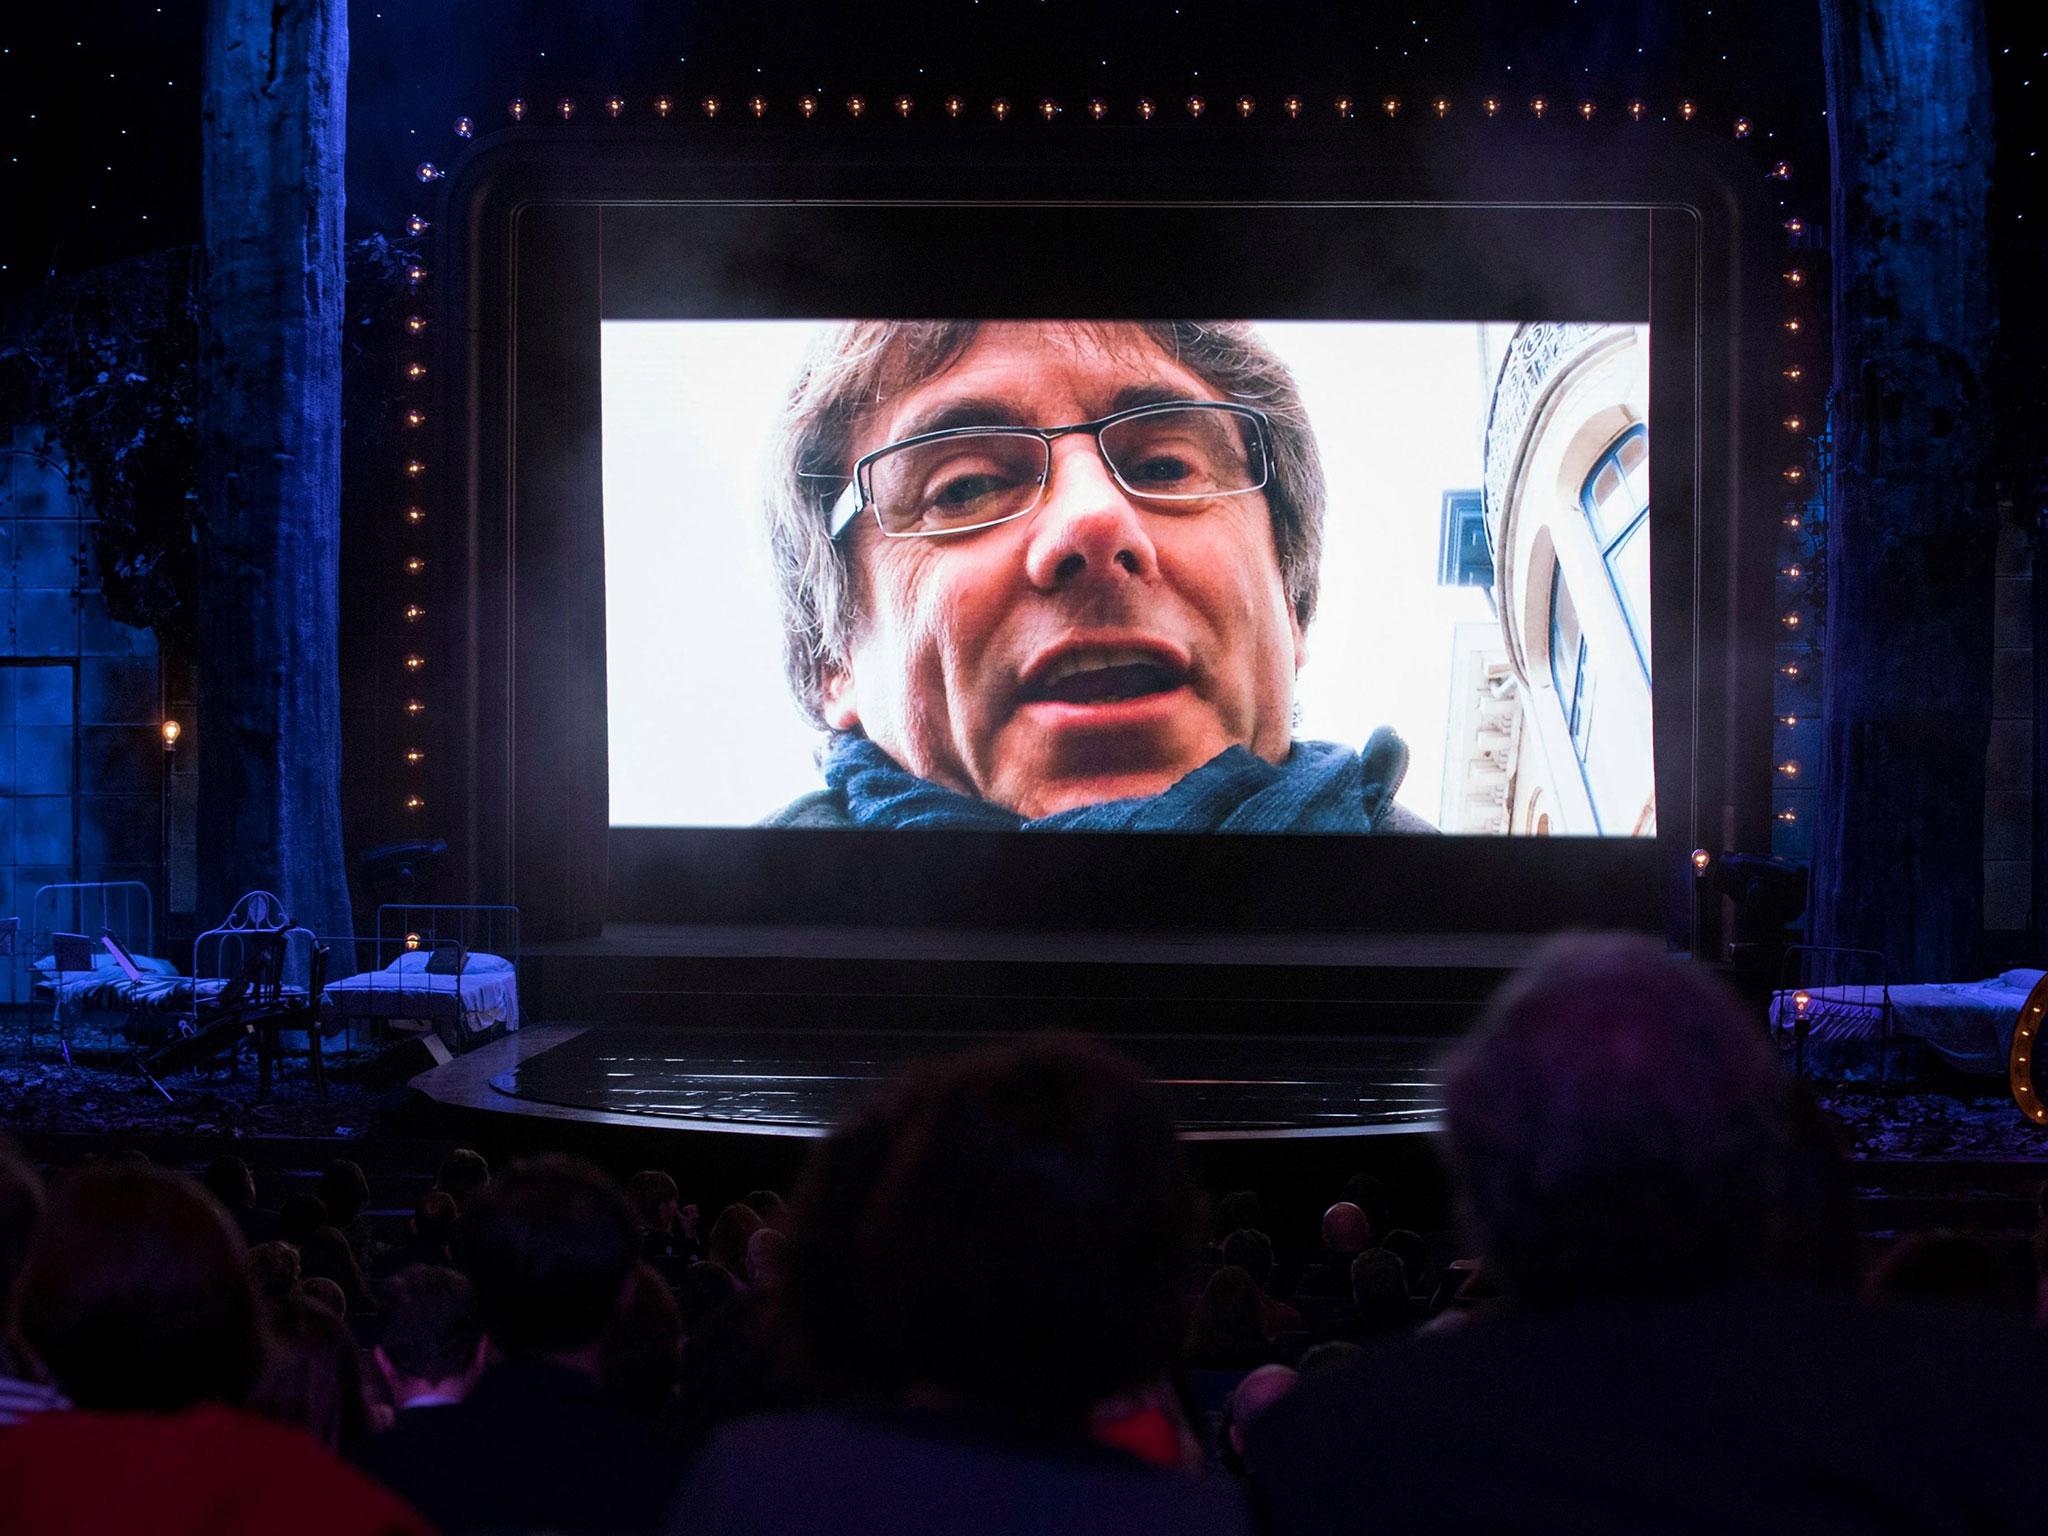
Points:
528	276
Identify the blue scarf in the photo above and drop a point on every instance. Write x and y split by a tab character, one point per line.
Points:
1322	787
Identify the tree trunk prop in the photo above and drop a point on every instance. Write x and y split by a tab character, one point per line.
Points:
1912	524
270	455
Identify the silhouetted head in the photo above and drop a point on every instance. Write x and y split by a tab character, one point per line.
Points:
655	1199
1251	1252
133	1295
311	1379
727	1245
301	1215
273	1270
1346	1229
229	1181
433	1219
345	1190
1617	1125
1003	1227
548	1243
429	1327
462	1173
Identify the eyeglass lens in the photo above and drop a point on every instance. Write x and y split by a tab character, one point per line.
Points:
977	478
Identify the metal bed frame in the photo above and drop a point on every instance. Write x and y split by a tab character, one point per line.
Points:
89	907
1821	973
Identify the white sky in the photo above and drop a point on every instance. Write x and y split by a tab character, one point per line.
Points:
703	729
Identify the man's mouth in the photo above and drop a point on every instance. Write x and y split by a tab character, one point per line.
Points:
1104	676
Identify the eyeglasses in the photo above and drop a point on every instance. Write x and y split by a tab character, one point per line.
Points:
964	478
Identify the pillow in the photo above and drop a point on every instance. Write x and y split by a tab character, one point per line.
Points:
104	964
480	964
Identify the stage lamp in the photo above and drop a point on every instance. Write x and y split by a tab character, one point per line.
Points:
1246	106
1795	278
1791	572
1743	127
1794	374
1146	107
412	941
516	109
1635	111
414	756
1792	521
415	418
465	128
415	275
1790	669
1789	768
415	225
663	105
1539	106
1782	171
415	515
1345	106
1048	108
1000	109
414	613
1098	109
415	371
565	108
904	106
615	106
1390	106
1788	720
954	106
415	803
414	661
1791	621
1586	110
1795	325
709	106
172	731
1795	226
415	468
1196	106
415	707
1700	860
1788	815
1801	1001
414	324
856	107
1794	473
1291	105
414	564
1441	107
807	106
1688	110
1794	423
758	105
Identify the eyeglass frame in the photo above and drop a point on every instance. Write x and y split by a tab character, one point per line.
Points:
840	515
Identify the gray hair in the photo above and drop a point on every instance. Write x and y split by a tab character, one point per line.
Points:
852	369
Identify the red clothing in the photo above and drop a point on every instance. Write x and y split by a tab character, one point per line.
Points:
209	1471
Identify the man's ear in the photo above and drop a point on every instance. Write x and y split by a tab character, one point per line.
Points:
841	712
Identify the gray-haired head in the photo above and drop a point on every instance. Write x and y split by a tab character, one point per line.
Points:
855	369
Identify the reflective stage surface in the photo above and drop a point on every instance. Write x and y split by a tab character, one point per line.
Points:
799	1082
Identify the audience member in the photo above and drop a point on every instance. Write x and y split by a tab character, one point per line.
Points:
301	1215
430	1342
462	1174
1346	1234
345	1191
1252	1252
1413	1253
1259	1390
21	1205
1228	1329
1379	1301
311	1379
727	1245
642	1356
228	1180
326	1255
978	1260
430	1236
704	1289
273	1269
1334	1354
666	1238
549	1245
1943	1268
135	1301
769	1206
767	1254
1626	1150
324	1293
1369	1194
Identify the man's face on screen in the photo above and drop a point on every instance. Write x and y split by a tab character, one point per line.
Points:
1099	647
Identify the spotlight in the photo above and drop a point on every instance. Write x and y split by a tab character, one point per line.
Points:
172	731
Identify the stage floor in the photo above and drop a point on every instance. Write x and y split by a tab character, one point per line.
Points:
798	1083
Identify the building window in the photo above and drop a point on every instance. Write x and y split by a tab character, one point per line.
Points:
1571	673
1464	554
1616	499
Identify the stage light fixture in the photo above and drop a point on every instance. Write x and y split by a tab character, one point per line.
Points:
415	371
807	106
172	731
1794	473
465	128
415	564
1586	110
415	275
1795	226
615	107
1196	106
1291	105
415	707
1788	720
709	106
414	613
1390	106
1098	109
1794	277
1789	768
1146	107
1795	325
415	323
1788	815
1700	860
426	171
1791	621
1491	106
999	109
415	418
1794	374
905	106
415	515
414	756
1794	423
1790	669
1539	106
1688	110
1801	1001
414	661
1781	171
856	107
1048	109
415	803
516	109
954	106
1636	109
565	108
414	468
1791	572
663	105
1743	127
1246	106
415	225
1792	521
758	105
412	941
1345	106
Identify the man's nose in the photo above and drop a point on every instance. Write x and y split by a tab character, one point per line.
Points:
1087	528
